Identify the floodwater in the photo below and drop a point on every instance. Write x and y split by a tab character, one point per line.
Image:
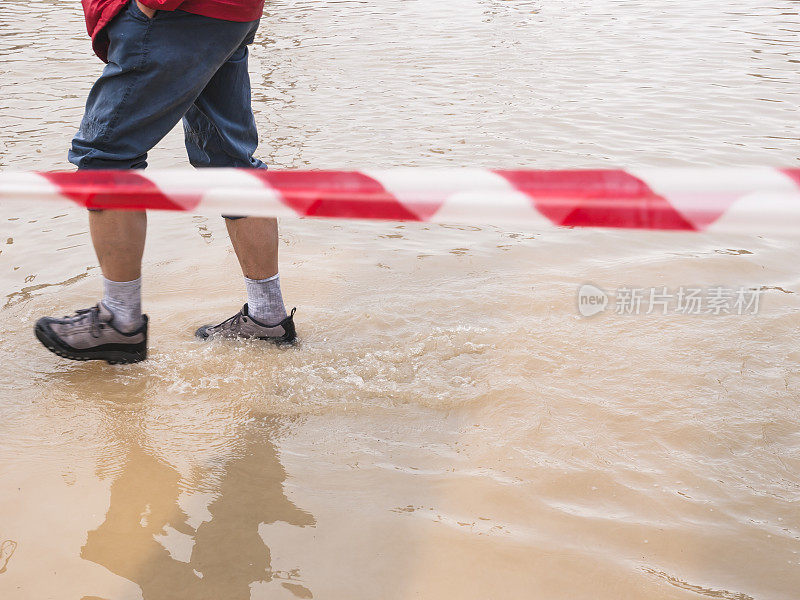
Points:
449	426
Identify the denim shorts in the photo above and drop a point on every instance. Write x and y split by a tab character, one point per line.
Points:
175	65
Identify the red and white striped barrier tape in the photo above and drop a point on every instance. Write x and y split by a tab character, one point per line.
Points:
756	200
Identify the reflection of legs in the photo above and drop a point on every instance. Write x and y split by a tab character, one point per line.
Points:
144	504
228	554
229	550
221	132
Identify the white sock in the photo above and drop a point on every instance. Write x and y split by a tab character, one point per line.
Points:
264	300
124	300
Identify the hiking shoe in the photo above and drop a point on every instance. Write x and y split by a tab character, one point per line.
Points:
90	334
242	325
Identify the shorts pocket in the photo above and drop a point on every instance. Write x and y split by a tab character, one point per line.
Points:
137	13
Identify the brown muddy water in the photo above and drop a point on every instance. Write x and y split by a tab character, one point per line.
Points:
449	426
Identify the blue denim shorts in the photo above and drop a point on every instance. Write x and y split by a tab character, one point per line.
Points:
175	65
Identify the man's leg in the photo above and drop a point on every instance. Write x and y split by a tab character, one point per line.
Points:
115	330
157	68
118	237
221	132
152	79
255	241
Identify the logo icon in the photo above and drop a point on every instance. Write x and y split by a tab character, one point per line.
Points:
591	300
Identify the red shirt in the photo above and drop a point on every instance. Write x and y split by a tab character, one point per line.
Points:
100	12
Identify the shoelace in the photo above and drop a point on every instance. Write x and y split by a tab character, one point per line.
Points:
234	320
92	313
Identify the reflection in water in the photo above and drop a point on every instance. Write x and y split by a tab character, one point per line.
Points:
228	554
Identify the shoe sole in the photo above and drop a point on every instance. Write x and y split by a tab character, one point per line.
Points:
271	340
112	357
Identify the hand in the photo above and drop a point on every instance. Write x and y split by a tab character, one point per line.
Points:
149	12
